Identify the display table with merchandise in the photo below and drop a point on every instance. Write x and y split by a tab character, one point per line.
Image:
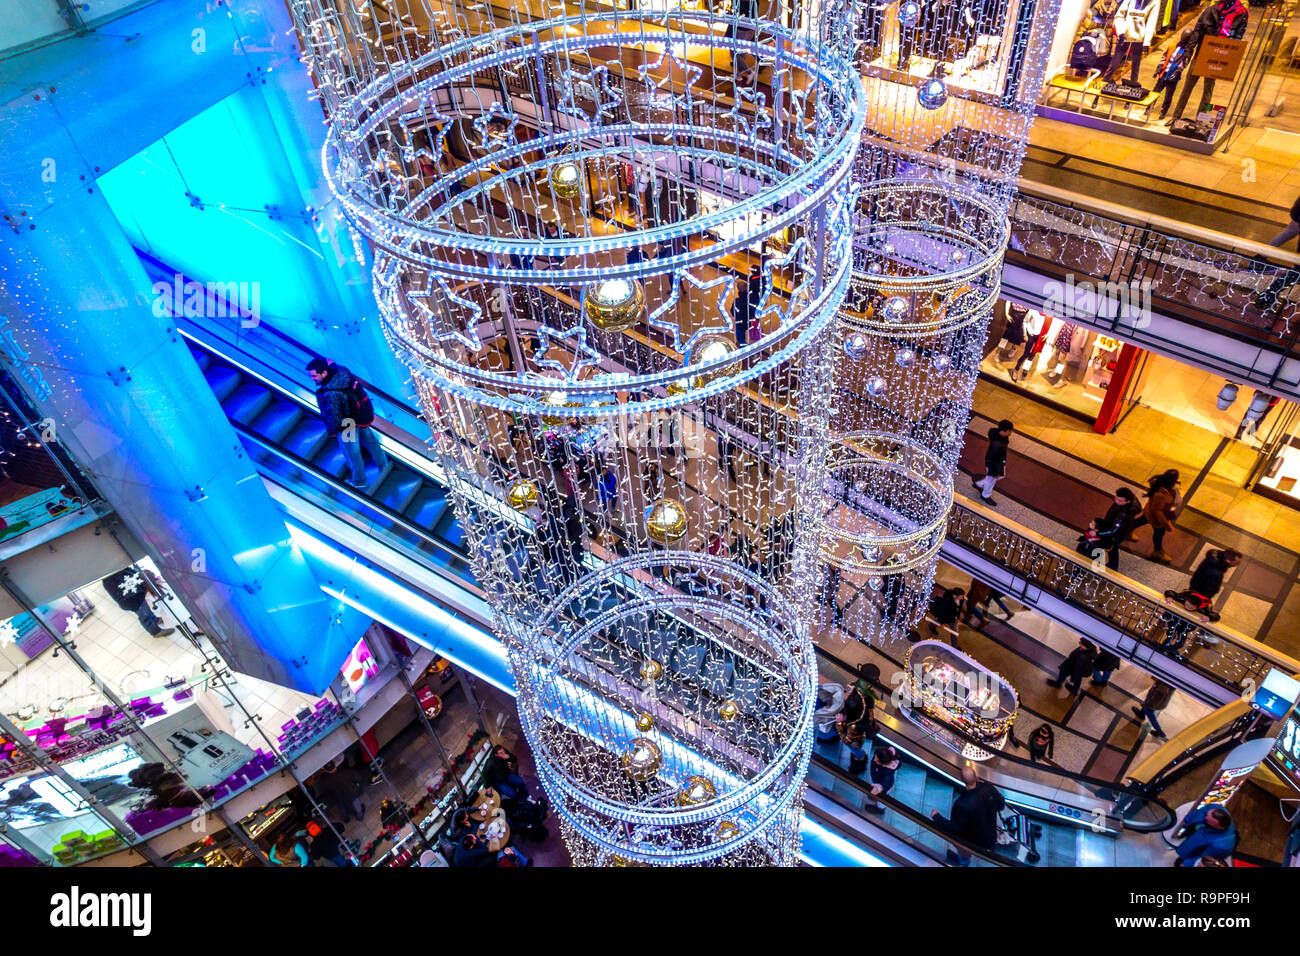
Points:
951	691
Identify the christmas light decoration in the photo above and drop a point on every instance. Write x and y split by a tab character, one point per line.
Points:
952	107
611	247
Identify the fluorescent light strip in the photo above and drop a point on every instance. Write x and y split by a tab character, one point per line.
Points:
481	654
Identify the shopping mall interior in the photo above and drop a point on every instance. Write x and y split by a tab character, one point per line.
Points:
638	433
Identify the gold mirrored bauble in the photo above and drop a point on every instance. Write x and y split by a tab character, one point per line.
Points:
614	305
695	790
665	521
652	670
558	401
522	494
709	348
729	710
725	831
642	758
644	722
566	180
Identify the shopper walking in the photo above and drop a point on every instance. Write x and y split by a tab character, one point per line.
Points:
1157	699
884	766
946	610
830	593
1040	743
1117	524
1175	629
1107	663
130	593
973	817
1267	301
995	460
1207	579
1164	496
1076	667
347	414
854	738
977	604
339	786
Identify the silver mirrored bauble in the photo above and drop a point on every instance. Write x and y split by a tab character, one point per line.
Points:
876	385
909	11
875	583
932	93
942	362
896	308
905	358
856	345
887	249
874	269
958	256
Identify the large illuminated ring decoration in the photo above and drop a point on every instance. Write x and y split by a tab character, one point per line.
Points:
755	761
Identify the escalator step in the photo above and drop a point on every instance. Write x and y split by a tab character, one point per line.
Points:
223	380
247	402
938	795
277	420
450	530
201	358
399	489
307	438
428	507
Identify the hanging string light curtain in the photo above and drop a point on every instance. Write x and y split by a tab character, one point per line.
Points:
611	246
951	88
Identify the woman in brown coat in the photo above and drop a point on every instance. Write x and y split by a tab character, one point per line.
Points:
1163	498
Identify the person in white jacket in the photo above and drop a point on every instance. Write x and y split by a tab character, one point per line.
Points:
830	702
1135	27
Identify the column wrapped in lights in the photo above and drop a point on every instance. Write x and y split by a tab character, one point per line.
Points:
949	125
617	302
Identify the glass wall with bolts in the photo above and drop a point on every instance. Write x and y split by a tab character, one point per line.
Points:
40	485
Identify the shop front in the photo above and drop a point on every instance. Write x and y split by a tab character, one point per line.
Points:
1184	74
123	725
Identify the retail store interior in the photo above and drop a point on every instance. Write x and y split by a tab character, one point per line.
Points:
614	434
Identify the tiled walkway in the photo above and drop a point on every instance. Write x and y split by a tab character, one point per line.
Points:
1061	473
1249	200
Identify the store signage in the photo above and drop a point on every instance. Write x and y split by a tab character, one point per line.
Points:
1218	58
1235	769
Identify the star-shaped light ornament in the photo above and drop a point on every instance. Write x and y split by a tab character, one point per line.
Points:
483	124
594	86
8	633
431	301
674	51
805	281
748	122
575	340
73	626
670	326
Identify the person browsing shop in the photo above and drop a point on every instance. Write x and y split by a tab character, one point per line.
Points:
995	460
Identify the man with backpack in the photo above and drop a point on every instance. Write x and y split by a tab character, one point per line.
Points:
347	413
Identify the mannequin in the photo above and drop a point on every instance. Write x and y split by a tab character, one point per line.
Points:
1034	322
1222	18
1014	333
1135	26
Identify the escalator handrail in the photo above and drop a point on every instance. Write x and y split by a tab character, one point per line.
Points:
277	333
1092	782
340	485
903	810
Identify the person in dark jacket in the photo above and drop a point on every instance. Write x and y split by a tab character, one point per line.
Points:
749	299
1076	667
995	460
947	609
1175	629
1040	743
1210	833
339	787
973	817
135	600
1118	524
326	845
1208	577
334	391
1156	700
472	851
883	768
1105	665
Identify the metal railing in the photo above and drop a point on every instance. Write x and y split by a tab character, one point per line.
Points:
1205	278
1223	655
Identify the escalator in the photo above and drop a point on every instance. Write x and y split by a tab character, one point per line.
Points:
405	506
